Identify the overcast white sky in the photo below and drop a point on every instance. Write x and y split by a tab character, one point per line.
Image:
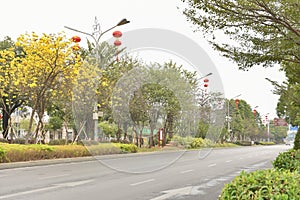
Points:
19	16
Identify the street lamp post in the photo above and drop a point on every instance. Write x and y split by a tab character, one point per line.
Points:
228	113
268	126
96	35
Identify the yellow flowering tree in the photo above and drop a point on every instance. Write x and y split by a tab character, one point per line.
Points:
49	67
11	90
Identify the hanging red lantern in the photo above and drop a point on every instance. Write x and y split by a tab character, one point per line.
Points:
205	85
117	34
117	43
237	101
76	39
206	80
254	112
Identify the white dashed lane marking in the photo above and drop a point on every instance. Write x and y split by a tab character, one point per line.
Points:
186	171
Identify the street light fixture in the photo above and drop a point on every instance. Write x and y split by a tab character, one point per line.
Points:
97	29
202	77
96	38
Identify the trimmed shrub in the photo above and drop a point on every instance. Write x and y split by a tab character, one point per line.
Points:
103	149
201	143
197	143
127	148
3	157
289	160
243	143
263	184
266	143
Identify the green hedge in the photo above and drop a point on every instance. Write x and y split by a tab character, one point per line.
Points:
263	185
127	148
288	160
201	143
3	157
20	152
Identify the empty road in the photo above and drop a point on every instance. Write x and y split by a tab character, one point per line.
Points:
148	176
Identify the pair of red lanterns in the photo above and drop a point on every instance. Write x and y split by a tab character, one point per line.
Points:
117	42
206	83
76	39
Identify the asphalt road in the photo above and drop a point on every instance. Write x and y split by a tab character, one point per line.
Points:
149	176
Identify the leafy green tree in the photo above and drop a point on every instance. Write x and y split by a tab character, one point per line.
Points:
138	111
202	129
108	128
258	32
54	123
243	123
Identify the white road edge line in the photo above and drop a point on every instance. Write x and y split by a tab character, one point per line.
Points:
211	165
29	192
55	186
228	161
142	182
186	171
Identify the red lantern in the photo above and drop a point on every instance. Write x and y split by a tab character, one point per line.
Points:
117	34
254	112
206	80
117	43
237	101
76	39
205	85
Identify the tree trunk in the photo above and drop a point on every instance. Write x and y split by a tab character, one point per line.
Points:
30	125
5	120
151	139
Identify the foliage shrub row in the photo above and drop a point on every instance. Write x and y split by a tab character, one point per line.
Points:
263	184
19	152
127	148
280	183
288	160
201	143
60	142
180	141
243	143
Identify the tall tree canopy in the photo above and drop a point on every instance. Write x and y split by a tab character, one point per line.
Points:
49	68
264	31
12	93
